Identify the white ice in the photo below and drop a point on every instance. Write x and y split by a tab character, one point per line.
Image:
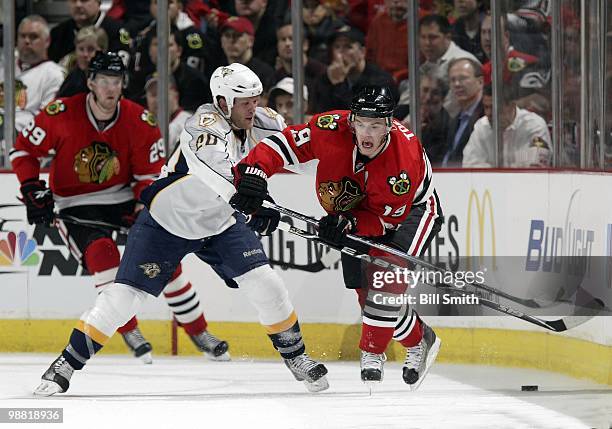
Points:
178	392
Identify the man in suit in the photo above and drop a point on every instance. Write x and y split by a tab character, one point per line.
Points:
466	83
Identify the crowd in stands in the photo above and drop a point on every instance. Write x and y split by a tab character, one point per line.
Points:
347	44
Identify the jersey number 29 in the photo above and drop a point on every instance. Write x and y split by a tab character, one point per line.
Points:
157	151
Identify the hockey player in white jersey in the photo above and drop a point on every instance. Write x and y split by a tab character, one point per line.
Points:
188	211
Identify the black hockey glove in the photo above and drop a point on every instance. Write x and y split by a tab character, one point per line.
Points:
333	228
38	200
264	221
251	188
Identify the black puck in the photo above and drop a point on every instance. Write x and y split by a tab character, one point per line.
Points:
529	388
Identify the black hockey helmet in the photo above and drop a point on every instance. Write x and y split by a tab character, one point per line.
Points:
373	101
109	63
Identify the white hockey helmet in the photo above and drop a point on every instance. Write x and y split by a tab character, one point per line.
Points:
235	80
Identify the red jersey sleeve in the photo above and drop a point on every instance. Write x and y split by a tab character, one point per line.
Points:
290	147
35	141
148	155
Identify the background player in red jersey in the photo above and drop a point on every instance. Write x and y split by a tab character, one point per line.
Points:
374	180
107	150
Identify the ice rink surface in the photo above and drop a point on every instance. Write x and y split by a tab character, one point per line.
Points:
119	392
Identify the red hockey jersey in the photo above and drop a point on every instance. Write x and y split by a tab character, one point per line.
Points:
90	166
379	192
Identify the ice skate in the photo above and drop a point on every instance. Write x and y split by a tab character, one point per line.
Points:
420	358
372	371
56	379
309	371
138	345
212	347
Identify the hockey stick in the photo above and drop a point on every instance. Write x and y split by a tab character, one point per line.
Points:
92	223
558	325
327	260
381	262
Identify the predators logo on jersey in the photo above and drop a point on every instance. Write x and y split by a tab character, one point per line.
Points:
400	184
56	107
150	269
340	196
328	122
97	163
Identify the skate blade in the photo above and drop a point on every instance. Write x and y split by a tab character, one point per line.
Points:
146	358
371	385
318	385
47	388
225	357
431	357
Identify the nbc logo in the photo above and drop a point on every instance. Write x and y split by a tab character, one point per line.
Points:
17	250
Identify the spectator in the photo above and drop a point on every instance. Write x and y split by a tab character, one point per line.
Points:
522	71
348	72
193	43
387	41
526	140
435	120
465	77
133	15
37	79
193	86
264	18
178	116
84	13
529	27
281	99
313	69
237	37
88	41
438	47
320	24
466	30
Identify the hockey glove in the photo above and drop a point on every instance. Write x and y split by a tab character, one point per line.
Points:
333	228
251	188
38	200
264	221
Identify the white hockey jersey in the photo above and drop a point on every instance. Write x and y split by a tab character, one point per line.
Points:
190	199
35	87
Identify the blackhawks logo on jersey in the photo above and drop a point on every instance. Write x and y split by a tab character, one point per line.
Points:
21	94
55	107
97	163
400	184
340	196
328	122
149	118
516	64
124	36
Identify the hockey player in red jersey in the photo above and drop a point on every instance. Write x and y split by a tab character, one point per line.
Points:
374	180
107	150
